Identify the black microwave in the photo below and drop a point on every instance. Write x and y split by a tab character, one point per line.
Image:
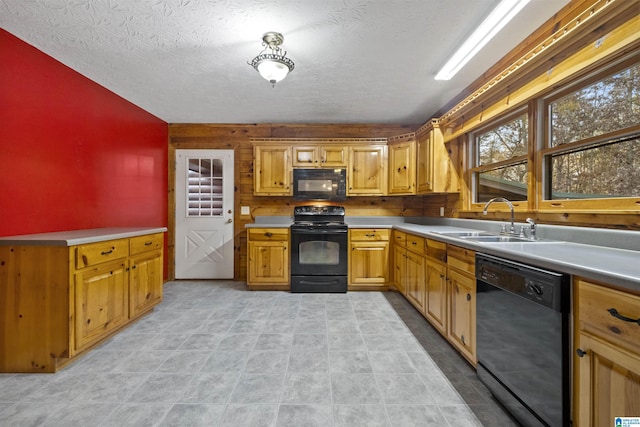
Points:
320	184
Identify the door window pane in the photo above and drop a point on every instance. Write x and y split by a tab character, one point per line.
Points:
204	187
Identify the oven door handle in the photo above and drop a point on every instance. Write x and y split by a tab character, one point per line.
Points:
318	231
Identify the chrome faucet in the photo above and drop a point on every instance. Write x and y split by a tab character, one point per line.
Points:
532	228
512	229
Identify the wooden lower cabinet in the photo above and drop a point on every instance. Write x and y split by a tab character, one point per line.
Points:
461	329
606	360
268	263
368	259
101	303
439	280
461	299
436	308
59	301
145	282
416	286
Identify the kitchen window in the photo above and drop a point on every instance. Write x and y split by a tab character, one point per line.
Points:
499	159
592	147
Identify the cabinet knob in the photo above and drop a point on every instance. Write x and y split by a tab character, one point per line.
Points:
468	297
580	352
267	234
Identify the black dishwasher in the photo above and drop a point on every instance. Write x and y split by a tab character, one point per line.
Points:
523	340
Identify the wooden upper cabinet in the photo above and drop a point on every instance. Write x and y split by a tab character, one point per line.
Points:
402	167
424	163
324	156
272	170
367	170
435	165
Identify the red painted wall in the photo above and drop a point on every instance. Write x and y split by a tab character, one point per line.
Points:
73	154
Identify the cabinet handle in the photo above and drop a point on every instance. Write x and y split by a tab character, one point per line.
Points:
462	339
106	252
369	235
268	234
614	313
414	243
468	297
148	243
580	352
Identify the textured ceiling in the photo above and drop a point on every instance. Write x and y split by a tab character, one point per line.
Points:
185	61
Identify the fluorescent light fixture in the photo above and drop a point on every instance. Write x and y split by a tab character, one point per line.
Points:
497	19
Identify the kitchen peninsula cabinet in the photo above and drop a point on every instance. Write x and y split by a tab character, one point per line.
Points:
607	354
268	263
367	170
323	156
402	165
368	259
63	293
272	170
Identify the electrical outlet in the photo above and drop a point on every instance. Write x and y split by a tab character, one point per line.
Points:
245	210
441	210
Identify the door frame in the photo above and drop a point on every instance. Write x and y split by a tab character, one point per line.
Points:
171	202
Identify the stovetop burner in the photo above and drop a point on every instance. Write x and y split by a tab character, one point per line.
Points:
322	216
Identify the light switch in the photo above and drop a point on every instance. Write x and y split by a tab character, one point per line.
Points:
245	210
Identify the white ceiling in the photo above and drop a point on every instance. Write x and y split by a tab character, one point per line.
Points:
185	61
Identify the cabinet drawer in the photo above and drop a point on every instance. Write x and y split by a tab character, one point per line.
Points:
415	243
145	243
437	250
368	235
461	259
594	305
400	238
269	234
96	253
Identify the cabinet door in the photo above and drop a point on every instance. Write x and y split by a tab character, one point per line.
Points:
400	266
145	282
608	383
368	172
424	172
402	173
272	170
268	262
333	156
415	276
305	157
101	301
436	309
462	313
368	263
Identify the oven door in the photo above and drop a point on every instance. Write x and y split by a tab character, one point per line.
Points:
318	251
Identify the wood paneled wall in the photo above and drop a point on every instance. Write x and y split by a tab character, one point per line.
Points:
237	137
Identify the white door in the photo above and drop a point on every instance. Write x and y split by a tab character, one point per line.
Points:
204	214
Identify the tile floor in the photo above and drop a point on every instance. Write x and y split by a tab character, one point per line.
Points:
214	354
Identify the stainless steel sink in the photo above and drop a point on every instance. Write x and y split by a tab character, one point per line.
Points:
466	233
498	239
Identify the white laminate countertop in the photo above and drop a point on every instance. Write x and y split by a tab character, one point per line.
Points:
78	237
619	268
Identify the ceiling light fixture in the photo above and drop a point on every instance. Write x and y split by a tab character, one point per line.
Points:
273	66
497	19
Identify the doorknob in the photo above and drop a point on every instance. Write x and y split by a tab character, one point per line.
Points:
229	211
229	221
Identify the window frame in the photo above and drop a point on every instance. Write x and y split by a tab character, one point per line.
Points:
474	170
545	153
